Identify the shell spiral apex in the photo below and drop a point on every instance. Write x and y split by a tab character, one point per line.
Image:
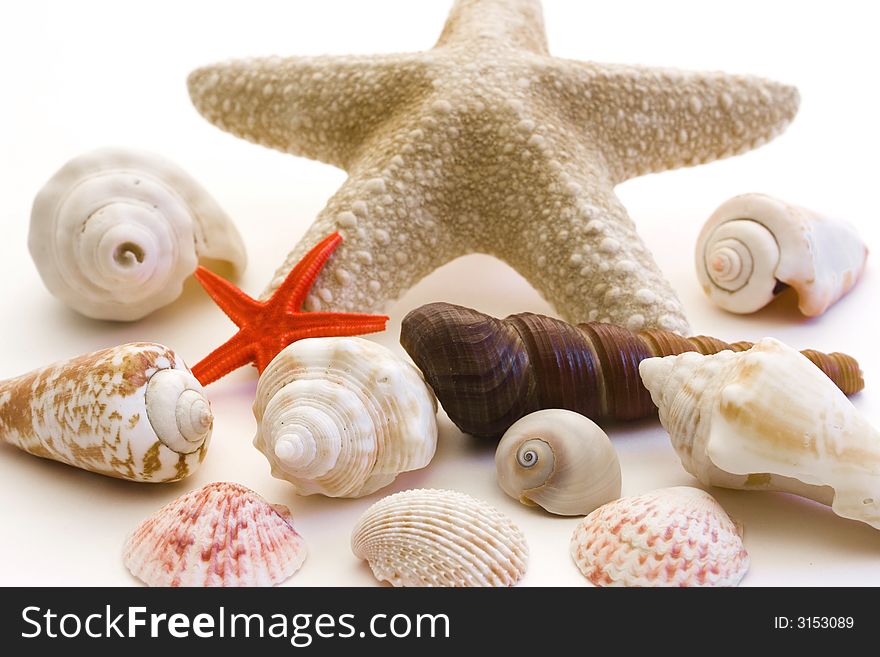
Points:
676	536
115	233
133	411
343	416
754	246
558	460
432	537
222	534
766	419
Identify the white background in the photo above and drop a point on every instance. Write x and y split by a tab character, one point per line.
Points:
75	76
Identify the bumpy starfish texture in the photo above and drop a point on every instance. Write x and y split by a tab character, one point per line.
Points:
488	144
266	327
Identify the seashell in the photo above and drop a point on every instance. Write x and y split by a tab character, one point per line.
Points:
765	419
676	536
134	412
432	537
222	534
558	460
115	233
343	416
754	246
488	373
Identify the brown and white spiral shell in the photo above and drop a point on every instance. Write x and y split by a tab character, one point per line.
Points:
444	538
222	534
134	412
343	416
487	372
766	419
676	536
754	246
115	233
558	460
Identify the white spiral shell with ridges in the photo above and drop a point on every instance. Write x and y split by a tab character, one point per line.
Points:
222	534
768	419
133	411
343	416
115	233
444	538
558	460
676	536
754	245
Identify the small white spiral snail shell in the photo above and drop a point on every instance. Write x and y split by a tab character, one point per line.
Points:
754	246
558	460
115	233
134	412
343	416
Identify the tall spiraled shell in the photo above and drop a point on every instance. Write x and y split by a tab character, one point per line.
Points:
488	373
219	535
676	536
115	233
754	246
343	416
558	460
440	538
766	419
134	412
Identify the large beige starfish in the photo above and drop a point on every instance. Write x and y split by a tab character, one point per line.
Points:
488	144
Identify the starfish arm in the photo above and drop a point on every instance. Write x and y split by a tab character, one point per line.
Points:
238	306
293	291
232	354
319	324
317	107
589	262
516	24
650	120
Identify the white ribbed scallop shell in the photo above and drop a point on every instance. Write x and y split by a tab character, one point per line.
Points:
343	416
669	537
768	419
753	243
432	537
222	534
115	233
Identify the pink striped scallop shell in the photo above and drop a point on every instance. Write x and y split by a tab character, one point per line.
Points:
676	536
222	534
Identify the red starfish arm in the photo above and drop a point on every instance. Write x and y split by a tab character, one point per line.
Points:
291	294
236	352
307	325
238	306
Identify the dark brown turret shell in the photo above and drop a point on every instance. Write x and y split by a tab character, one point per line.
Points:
488	372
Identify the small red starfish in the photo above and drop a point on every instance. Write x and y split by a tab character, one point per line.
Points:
266	327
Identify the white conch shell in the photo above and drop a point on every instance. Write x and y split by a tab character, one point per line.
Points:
768	419
432	537
343	416
115	233
676	536
754	245
558	460
219	535
134	411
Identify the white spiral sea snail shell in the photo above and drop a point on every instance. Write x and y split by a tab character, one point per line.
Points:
558	460
343	416
134	412
115	233
754	246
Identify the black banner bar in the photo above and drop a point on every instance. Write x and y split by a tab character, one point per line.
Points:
521	620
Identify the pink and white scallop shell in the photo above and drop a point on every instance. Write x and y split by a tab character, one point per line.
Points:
676	536
222	534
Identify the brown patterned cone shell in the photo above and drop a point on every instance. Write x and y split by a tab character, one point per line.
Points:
487	372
